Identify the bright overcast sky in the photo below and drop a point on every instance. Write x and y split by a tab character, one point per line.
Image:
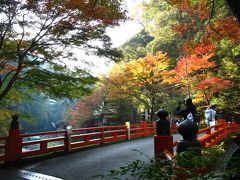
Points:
119	36
126	30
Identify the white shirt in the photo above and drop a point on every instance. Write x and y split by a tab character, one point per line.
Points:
210	114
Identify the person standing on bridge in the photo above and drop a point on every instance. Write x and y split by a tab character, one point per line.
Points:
210	116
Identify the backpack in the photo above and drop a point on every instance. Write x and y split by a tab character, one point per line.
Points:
193	117
190	117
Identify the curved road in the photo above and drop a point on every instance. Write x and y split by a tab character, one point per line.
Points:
85	163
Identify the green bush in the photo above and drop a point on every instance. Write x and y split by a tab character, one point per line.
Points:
165	169
208	157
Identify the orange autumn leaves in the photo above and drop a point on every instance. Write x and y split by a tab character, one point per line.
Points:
191	64
106	12
194	71
213	84
201	19
149	70
154	73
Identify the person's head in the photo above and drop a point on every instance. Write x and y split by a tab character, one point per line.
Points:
188	102
162	114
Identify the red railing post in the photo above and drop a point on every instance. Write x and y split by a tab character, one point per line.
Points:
13	151
102	136
43	147
68	139
209	133
144	129
128	130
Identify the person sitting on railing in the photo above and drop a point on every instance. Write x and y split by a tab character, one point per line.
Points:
188	130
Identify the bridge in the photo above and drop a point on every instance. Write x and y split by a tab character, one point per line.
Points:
58	153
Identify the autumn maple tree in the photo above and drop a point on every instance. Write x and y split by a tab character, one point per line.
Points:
87	108
144	80
211	86
203	26
37	36
193	68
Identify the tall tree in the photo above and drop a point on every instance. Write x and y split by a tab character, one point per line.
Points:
135	47
191	69
229	53
87	108
36	37
205	24
144	80
157	18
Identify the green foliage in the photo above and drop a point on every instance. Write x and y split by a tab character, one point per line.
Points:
43	113
158	18
35	115
165	169
229	64
139	169
234	165
5	120
36	37
62	83
118	111
135	47
208	158
99	109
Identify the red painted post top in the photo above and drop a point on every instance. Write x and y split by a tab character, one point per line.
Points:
13	147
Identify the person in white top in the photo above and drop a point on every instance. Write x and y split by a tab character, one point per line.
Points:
210	116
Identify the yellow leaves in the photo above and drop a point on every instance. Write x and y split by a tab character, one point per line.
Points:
136	75
5	114
149	67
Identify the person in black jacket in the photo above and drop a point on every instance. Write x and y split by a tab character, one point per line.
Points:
189	108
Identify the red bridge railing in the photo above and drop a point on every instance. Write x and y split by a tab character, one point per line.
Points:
17	146
208	137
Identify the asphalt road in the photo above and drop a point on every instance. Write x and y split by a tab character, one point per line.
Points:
84	164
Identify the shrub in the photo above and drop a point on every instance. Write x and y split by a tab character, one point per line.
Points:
165	169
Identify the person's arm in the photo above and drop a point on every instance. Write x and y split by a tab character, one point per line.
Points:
182	112
213	114
178	109
206	114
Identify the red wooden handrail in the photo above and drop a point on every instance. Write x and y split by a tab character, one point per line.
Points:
65	141
210	136
3	138
43	133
